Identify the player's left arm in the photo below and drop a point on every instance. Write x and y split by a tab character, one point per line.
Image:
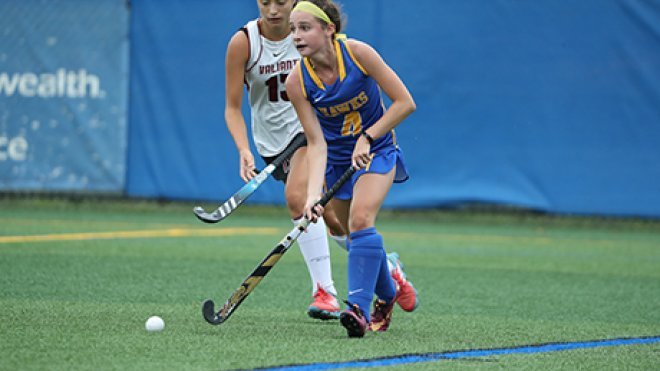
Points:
389	82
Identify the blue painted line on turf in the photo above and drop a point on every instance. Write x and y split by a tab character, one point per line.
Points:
467	354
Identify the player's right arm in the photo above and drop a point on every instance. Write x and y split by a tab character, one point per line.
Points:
237	56
317	150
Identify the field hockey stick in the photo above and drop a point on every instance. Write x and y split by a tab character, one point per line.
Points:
248	189
208	307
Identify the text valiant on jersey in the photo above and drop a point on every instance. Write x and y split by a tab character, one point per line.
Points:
282	66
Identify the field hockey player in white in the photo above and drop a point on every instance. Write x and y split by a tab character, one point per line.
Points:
261	55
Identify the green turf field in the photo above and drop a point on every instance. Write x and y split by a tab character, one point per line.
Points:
79	279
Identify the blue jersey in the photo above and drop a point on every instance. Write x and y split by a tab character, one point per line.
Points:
345	108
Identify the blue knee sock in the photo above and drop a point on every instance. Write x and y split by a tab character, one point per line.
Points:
385	286
364	266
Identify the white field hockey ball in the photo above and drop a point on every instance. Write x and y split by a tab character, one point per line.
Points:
154	323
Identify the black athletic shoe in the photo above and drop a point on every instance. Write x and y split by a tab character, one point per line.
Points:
353	321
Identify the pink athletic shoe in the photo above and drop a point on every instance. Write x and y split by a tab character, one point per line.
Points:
325	305
406	295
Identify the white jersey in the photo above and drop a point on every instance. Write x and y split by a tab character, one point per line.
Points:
274	120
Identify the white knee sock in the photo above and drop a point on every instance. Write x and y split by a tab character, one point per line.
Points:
314	248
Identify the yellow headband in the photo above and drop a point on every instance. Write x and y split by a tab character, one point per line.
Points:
313	9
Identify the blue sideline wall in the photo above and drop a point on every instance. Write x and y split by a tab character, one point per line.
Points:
63	95
550	105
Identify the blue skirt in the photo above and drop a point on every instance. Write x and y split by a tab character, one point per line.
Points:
382	163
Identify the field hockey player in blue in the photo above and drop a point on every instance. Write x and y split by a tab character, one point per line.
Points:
335	89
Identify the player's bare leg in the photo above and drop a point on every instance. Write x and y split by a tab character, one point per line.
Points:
336	229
